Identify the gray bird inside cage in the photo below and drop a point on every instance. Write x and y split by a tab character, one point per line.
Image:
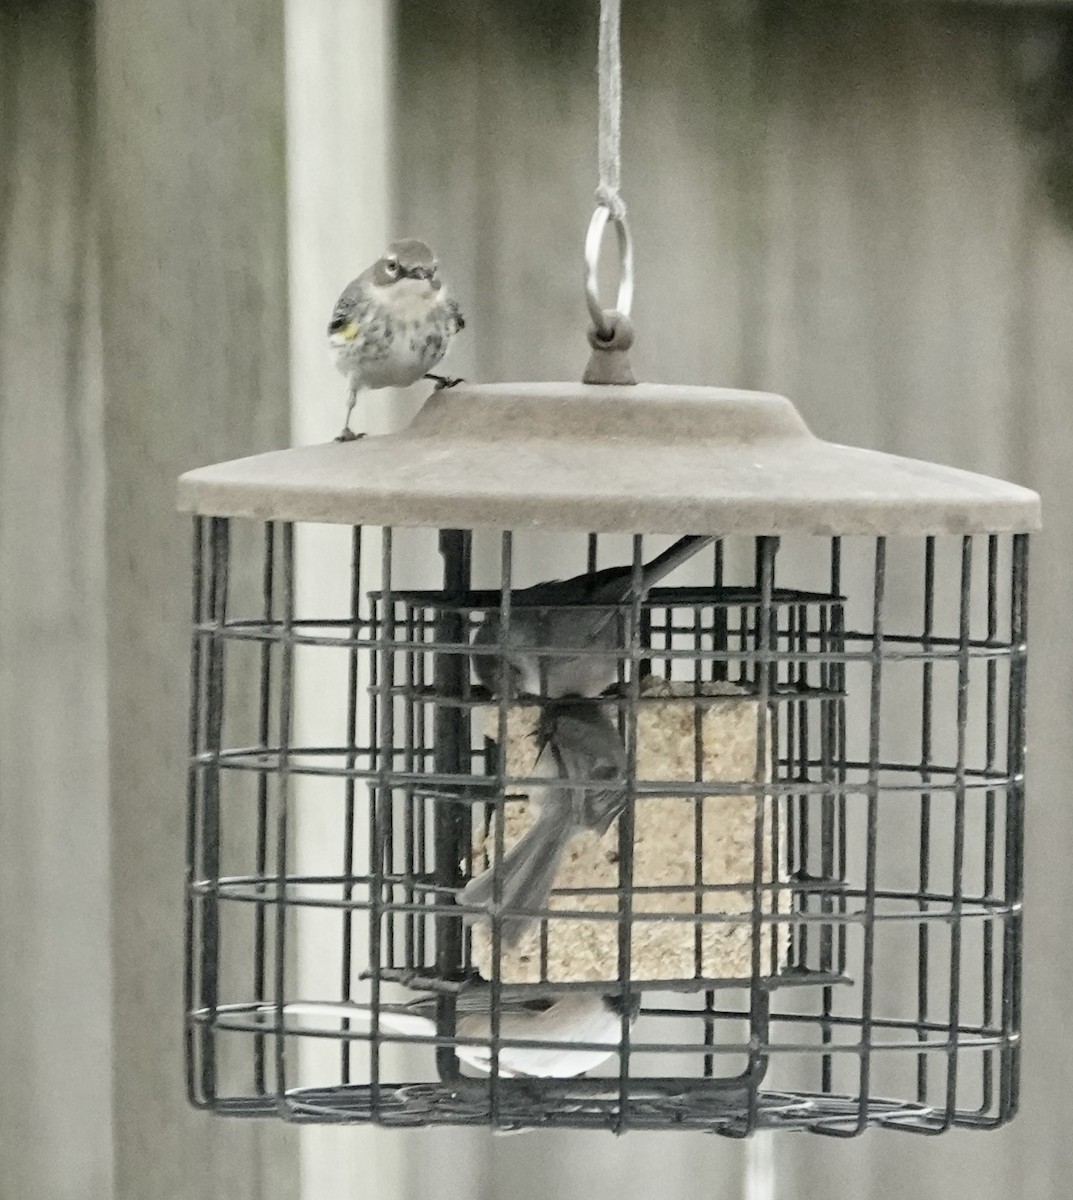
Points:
722	831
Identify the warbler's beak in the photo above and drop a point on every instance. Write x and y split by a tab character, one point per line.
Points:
418	273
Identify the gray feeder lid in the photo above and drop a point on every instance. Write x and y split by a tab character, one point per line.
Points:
647	458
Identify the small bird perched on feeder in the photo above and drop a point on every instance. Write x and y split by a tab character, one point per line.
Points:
393	324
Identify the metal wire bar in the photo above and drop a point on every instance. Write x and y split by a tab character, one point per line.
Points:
766	677
450	735
505	685
808	885
382	802
410	790
990	750
1014	881
283	807
192	931
264	721
626	839
832	832
349	799
938	906
924	853
698	712
940	648
208	974
957	883
872	833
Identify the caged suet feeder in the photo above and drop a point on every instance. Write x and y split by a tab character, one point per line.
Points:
814	888
799	905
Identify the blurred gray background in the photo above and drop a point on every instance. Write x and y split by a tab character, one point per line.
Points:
865	205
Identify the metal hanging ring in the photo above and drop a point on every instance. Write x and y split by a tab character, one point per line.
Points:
593	242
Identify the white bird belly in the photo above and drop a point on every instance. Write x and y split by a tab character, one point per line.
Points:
396	360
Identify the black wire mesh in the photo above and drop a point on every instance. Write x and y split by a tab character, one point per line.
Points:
874	909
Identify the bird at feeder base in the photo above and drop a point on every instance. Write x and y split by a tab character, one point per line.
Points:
393	324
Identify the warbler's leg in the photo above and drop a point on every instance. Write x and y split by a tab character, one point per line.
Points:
444	381
347	434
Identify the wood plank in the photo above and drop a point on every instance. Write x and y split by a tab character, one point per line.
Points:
898	194
55	989
194	291
339	62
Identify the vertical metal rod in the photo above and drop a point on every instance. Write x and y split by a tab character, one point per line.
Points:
709	1032
804	800
264	719
626	837
874	758
834	808
450	734
421	806
349	784
283	798
924	860
829	709
766	757
720	632
839	671
505	696
699	713
381	802
720	670
415	632
219	551
1014	866
990	753
193	778
954	1017
794	812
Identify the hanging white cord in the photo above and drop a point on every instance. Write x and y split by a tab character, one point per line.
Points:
610	68
609	204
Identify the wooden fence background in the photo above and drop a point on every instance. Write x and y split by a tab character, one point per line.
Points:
865	205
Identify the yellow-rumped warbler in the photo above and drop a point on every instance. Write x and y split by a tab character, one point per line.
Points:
393	324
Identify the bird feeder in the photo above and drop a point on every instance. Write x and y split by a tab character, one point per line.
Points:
807	914
791	891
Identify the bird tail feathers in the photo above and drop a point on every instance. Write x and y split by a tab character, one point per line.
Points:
528	872
683	549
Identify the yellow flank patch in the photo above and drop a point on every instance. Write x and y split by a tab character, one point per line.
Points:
350	330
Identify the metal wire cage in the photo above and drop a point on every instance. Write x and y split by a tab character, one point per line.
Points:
807	913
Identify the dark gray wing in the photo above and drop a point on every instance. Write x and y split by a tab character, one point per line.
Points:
350	300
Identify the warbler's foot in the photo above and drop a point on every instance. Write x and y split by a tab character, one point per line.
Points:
445	381
348	435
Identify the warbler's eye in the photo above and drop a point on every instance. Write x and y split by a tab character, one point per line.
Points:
391	265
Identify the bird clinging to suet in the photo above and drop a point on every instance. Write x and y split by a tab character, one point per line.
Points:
583	759
393	324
